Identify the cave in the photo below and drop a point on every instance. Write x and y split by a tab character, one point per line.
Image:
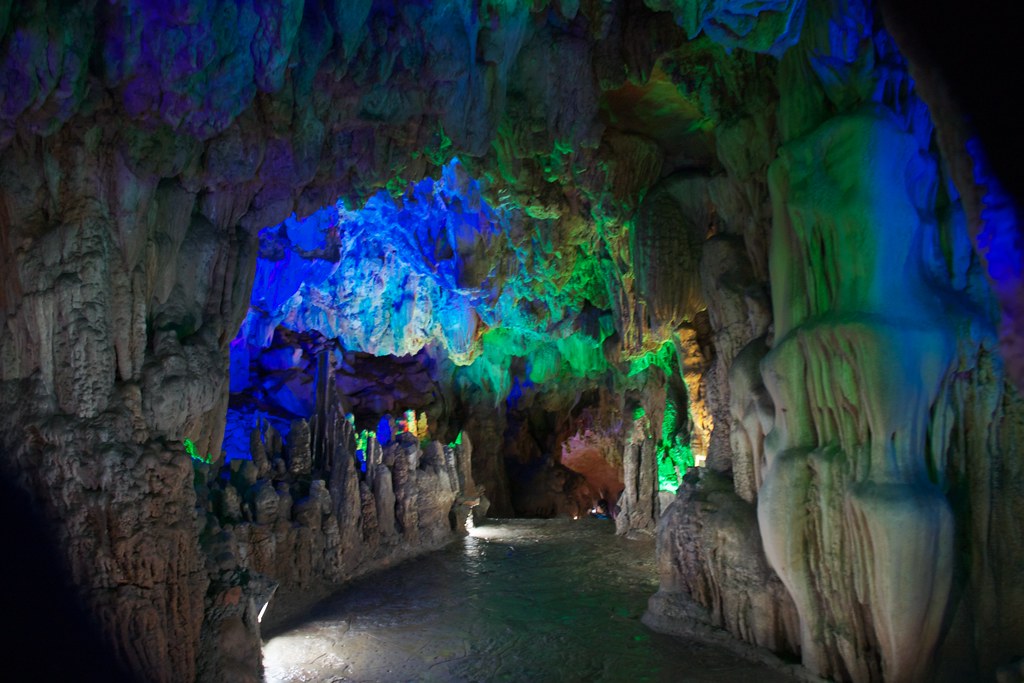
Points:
295	293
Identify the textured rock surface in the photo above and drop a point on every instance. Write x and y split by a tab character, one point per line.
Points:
143	148
639	507
753	415
843	435
863	468
137	166
713	571
308	531
760	26
974	136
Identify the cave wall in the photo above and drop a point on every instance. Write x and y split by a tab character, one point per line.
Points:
311	511
974	134
849	418
121	299
138	166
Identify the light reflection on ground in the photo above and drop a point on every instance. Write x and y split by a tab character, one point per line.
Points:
518	600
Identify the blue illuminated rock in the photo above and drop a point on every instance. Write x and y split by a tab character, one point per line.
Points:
386	280
771	26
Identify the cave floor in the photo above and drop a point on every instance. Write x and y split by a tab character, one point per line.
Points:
518	600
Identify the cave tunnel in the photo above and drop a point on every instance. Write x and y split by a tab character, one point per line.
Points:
395	319
712	308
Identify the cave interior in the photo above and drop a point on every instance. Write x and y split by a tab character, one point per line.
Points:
295	291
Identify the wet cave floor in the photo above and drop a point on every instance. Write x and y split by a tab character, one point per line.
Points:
518	600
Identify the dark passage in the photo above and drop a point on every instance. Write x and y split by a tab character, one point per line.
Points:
518	600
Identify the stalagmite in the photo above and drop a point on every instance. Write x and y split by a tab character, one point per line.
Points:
638	504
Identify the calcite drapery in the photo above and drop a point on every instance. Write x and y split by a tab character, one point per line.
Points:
852	517
859	425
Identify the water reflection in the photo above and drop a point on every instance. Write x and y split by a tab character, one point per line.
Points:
517	600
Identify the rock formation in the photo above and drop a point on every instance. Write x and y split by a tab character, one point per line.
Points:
579	240
296	533
842	419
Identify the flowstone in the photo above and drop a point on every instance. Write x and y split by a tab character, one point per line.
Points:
849	500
